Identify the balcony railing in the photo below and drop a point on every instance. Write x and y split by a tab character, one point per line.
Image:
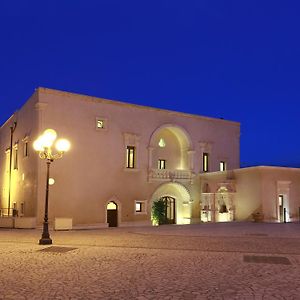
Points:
169	175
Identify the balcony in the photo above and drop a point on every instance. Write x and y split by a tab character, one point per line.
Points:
170	175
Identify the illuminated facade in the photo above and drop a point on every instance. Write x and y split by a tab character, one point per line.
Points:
124	157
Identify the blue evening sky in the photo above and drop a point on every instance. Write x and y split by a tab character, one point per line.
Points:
238	60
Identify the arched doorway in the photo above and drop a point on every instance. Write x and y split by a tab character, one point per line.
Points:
112	214
170	209
178	200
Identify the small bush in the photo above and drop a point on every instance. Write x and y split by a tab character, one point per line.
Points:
159	212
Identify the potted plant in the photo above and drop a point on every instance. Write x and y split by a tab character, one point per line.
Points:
258	216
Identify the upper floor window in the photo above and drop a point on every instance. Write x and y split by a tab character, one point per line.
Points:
101	123
205	162
25	149
161	164
222	166
7	160
15	157
130	156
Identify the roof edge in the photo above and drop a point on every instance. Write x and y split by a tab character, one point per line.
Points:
43	90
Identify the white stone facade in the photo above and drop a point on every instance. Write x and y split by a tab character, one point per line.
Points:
124	157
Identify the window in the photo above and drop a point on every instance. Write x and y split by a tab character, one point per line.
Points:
7	158
141	207
205	162
161	164
15	158
22	208
130	155
138	206
280	200
25	149
222	166
101	123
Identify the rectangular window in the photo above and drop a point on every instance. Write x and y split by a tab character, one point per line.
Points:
130	156
280	200
100	124
141	207
161	164
7	160
222	166
22	208
205	162
25	149
15	158
138	206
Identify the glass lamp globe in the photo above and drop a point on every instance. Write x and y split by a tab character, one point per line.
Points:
62	145
50	134
38	144
48	137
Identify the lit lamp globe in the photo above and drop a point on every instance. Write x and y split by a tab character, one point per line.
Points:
45	141
48	137
51	181
38	144
62	145
50	134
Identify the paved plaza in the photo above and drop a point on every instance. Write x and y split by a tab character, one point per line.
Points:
205	261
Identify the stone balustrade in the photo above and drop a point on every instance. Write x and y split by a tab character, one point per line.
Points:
169	175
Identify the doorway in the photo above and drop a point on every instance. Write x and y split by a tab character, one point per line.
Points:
281	209
112	214
170	209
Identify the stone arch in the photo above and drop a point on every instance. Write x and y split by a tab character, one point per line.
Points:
182	196
178	149
178	131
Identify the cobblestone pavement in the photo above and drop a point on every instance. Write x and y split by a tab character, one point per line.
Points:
204	261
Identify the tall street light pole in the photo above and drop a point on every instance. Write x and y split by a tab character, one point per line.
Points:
43	145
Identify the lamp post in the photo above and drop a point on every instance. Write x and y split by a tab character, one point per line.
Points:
43	145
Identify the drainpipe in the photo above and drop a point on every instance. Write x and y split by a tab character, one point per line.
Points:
12	129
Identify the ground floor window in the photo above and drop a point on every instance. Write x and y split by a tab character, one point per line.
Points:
140	207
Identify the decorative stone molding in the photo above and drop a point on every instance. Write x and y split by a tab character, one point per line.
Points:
205	146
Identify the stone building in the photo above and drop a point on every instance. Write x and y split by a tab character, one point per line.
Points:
124	157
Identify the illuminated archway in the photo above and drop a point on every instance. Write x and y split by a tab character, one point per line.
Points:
182	199
173	144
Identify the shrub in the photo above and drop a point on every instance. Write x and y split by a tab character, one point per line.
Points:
159	212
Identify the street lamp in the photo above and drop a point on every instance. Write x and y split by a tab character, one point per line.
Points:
43	145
